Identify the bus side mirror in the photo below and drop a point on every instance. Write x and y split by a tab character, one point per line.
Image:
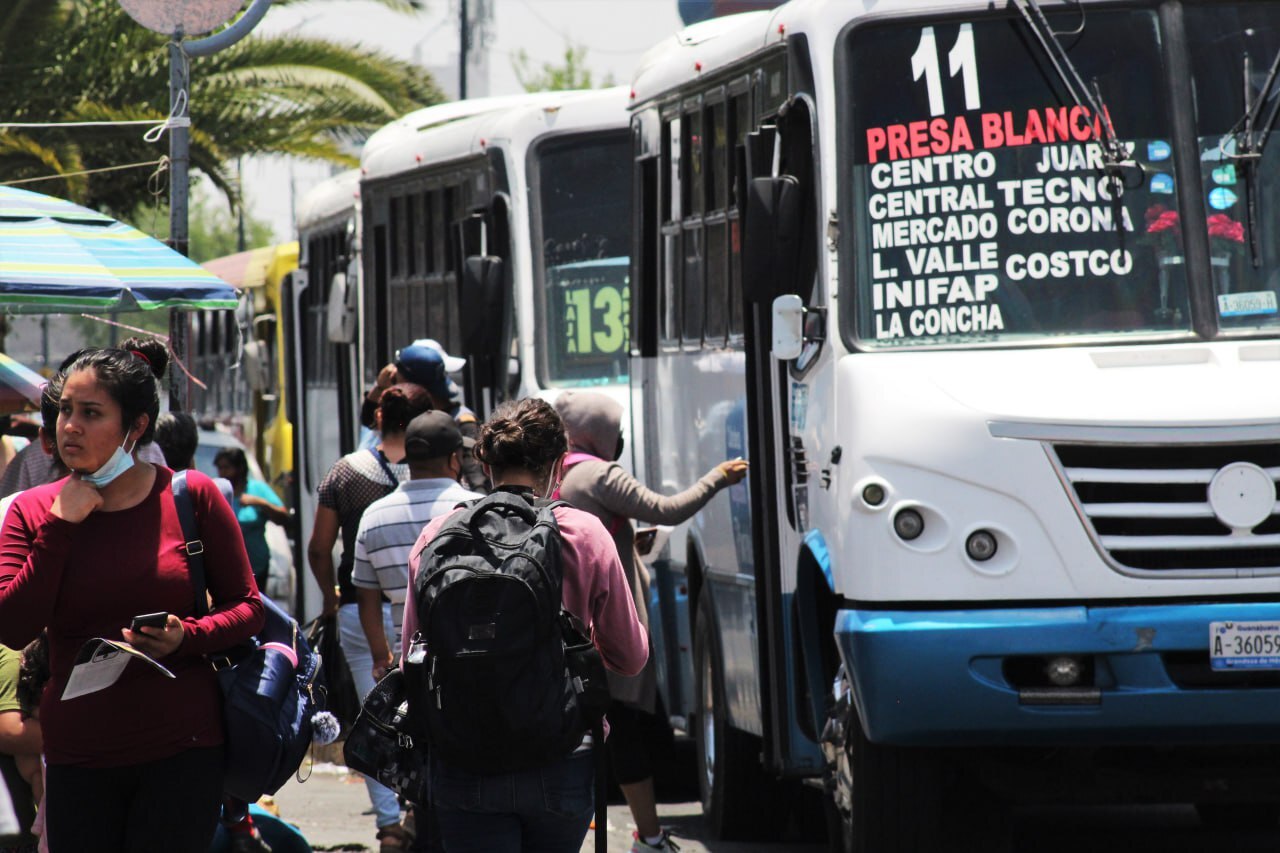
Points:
256	363
342	309
788	327
771	238
481	305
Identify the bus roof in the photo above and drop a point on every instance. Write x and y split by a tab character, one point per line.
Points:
704	48
411	124
698	49
329	200
255	267
394	152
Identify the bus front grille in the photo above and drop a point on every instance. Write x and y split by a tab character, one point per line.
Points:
1148	508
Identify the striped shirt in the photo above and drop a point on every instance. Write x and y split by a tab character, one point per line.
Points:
387	532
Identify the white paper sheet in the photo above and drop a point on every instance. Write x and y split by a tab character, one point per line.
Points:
99	665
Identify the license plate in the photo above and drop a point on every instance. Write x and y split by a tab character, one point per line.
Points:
1244	645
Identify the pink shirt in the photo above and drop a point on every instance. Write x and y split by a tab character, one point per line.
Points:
594	589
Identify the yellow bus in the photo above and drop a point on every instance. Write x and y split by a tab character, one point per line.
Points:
238	358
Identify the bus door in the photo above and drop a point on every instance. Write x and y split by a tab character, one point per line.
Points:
485	292
780	257
300	498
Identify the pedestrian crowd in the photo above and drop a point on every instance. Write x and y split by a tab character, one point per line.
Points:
492	566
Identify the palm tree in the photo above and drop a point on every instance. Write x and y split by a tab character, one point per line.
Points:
86	60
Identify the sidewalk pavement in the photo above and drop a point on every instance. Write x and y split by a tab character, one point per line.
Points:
328	809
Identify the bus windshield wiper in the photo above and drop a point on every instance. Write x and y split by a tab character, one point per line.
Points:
1114	153
1251	141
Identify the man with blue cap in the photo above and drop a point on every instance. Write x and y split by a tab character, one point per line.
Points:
425	363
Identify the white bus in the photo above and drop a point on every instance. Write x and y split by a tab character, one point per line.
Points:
504	235
476	223
988	294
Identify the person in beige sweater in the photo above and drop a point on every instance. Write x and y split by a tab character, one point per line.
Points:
593	481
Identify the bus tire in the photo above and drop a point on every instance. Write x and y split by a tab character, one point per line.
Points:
881	799
731	782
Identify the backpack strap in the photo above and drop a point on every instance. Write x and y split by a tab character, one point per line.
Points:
193	547
615	521
386	466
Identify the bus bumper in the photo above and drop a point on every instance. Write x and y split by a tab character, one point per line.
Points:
966	677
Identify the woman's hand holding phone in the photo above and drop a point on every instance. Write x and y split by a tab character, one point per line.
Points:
156	640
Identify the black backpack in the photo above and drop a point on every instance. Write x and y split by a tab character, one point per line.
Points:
500	677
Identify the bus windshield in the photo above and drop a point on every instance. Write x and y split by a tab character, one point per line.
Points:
583	194
984	206
1239	175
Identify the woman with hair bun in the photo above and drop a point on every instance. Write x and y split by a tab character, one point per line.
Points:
355	481
548	808
137	765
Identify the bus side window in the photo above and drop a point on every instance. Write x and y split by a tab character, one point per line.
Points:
672	255
717	225
740	126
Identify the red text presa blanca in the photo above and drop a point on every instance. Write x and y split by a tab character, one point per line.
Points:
1005	129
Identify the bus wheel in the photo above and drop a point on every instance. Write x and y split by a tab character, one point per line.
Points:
731	781
880	799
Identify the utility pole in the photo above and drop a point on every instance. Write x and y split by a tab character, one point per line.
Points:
179	165
464	29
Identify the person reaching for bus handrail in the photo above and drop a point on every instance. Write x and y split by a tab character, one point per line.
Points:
595	482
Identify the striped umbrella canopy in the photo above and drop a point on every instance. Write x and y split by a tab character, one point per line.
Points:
20	387
59	257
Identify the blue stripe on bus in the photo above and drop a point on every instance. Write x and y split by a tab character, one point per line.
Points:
936	677
817	545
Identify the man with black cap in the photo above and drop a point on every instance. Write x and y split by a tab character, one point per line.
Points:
425	363
433	448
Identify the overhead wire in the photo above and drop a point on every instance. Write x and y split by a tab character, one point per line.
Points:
161	162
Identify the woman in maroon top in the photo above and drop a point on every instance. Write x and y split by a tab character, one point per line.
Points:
136	766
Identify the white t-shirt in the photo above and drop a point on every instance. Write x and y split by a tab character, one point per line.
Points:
388	529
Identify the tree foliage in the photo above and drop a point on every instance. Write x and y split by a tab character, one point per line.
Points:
86	60
573	74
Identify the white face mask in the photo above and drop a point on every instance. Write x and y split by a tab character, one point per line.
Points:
120	461
553	482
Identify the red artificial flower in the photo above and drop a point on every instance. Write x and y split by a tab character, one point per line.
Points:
1223	226
1159	219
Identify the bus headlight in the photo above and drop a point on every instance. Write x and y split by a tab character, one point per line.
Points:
981	545
908	524
873	494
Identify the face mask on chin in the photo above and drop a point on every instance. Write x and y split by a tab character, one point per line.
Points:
120	461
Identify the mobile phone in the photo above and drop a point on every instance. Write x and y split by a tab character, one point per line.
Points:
645	537
149	620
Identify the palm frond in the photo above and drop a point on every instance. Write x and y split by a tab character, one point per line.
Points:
298	82
23	157
87	60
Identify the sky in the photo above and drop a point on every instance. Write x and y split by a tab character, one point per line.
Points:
615	34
